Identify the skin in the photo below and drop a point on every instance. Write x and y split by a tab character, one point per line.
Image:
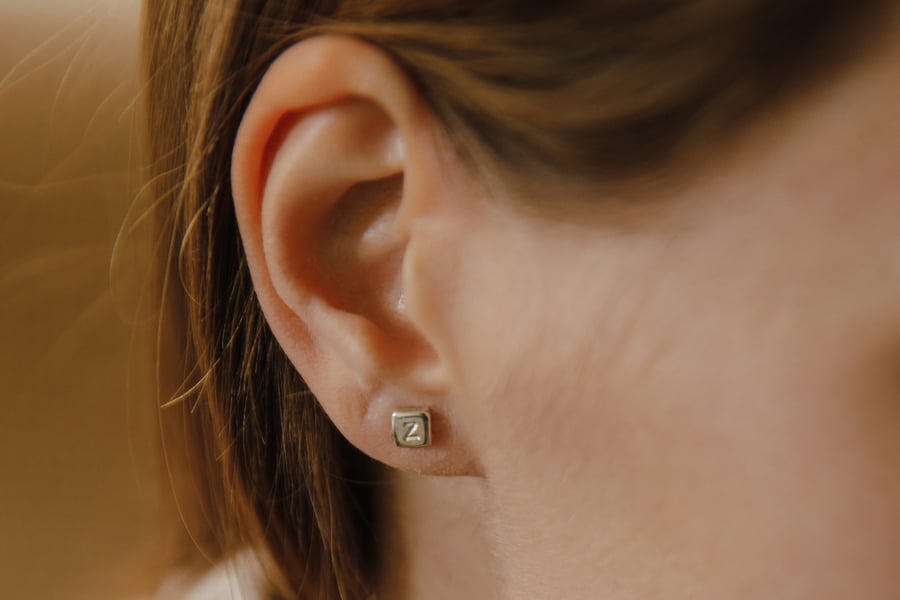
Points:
685	391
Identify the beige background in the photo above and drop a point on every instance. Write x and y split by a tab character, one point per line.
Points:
77	490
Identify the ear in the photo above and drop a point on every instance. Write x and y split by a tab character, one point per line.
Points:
333	155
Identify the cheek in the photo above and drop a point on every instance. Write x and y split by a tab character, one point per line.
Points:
696	412
522	321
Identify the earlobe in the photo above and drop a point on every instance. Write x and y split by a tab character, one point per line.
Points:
320	175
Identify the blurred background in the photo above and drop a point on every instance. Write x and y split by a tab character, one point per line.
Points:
78	488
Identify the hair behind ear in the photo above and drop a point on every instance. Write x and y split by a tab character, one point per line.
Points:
252	459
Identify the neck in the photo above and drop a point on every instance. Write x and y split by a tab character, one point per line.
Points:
437	541
449	538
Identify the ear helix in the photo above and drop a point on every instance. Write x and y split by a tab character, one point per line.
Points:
411	428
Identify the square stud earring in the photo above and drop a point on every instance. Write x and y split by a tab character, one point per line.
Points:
412	428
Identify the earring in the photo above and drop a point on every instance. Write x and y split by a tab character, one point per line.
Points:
412	428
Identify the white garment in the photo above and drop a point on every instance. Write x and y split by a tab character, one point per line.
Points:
236	579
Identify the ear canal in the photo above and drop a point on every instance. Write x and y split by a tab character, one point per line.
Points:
362	253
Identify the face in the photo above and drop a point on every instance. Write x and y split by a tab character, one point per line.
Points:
697	388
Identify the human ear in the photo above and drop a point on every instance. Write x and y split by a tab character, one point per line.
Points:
333	155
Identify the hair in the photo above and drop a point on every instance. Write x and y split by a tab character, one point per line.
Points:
595	89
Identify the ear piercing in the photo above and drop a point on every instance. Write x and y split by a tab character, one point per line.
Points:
412	428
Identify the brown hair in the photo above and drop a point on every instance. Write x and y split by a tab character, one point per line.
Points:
592	88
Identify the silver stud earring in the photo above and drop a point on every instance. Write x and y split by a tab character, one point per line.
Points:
412	428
